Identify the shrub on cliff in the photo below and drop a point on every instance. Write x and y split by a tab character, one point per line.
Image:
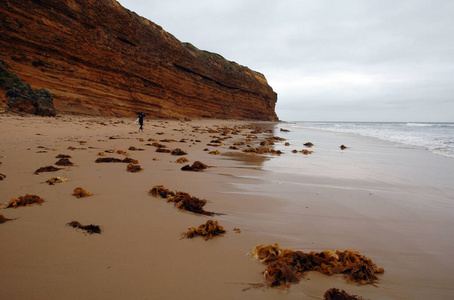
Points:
21	97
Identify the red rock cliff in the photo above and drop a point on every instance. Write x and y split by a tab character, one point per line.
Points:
99	58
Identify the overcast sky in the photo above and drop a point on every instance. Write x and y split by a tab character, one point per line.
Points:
329	60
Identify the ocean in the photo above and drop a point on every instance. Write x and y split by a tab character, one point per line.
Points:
435	137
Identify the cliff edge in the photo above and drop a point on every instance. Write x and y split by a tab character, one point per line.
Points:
96	57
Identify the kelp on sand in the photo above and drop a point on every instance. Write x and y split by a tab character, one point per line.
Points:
90	229
24	201
46	169
285	266
336	294
81	193
132	168
208	230
54	180
4	220
196	167
181	200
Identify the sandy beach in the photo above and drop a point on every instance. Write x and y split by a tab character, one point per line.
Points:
393	204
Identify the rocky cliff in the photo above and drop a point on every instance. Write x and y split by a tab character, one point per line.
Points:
96	57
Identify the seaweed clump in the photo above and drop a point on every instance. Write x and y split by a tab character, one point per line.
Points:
47	169
197	166
190	203
2	176
286	266
178	151
64	162
129	160
81	193
134	168
24	201
126	160
262	150
306	152
54	180
208	230
182	160
160	191
336	294
4	220
181	200
108	160
90	229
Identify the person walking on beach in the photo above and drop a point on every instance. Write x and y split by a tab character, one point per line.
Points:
140	118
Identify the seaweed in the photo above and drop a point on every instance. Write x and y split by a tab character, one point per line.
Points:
81	193
181	200
160	191
108	160
190	203
134	168
132	148
208	230
54	180
262	150
64	162
196	167
158	145
129	160
123	153
343	147
336	294
63	156
286	266
216	152
163	150
24	201
306	152
182	160
90	229
2	176
4	220
46	169
178	151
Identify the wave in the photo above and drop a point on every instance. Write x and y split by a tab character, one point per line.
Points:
435	137
421	124
430	124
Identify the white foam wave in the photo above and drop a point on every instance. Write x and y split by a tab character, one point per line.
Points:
435	137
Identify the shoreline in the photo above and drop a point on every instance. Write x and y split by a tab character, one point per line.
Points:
140	254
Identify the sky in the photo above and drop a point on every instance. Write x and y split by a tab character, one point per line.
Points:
329	60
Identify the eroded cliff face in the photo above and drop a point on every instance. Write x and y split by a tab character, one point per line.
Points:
99	58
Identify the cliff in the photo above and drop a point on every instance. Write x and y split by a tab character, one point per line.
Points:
96	57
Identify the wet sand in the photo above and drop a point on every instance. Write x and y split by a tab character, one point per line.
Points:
140	253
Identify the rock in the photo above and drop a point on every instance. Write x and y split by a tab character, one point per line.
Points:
84	50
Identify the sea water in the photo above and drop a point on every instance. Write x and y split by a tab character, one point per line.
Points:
435	137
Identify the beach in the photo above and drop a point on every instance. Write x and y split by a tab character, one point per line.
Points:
392	203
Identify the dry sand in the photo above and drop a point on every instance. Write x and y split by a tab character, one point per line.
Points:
140	253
